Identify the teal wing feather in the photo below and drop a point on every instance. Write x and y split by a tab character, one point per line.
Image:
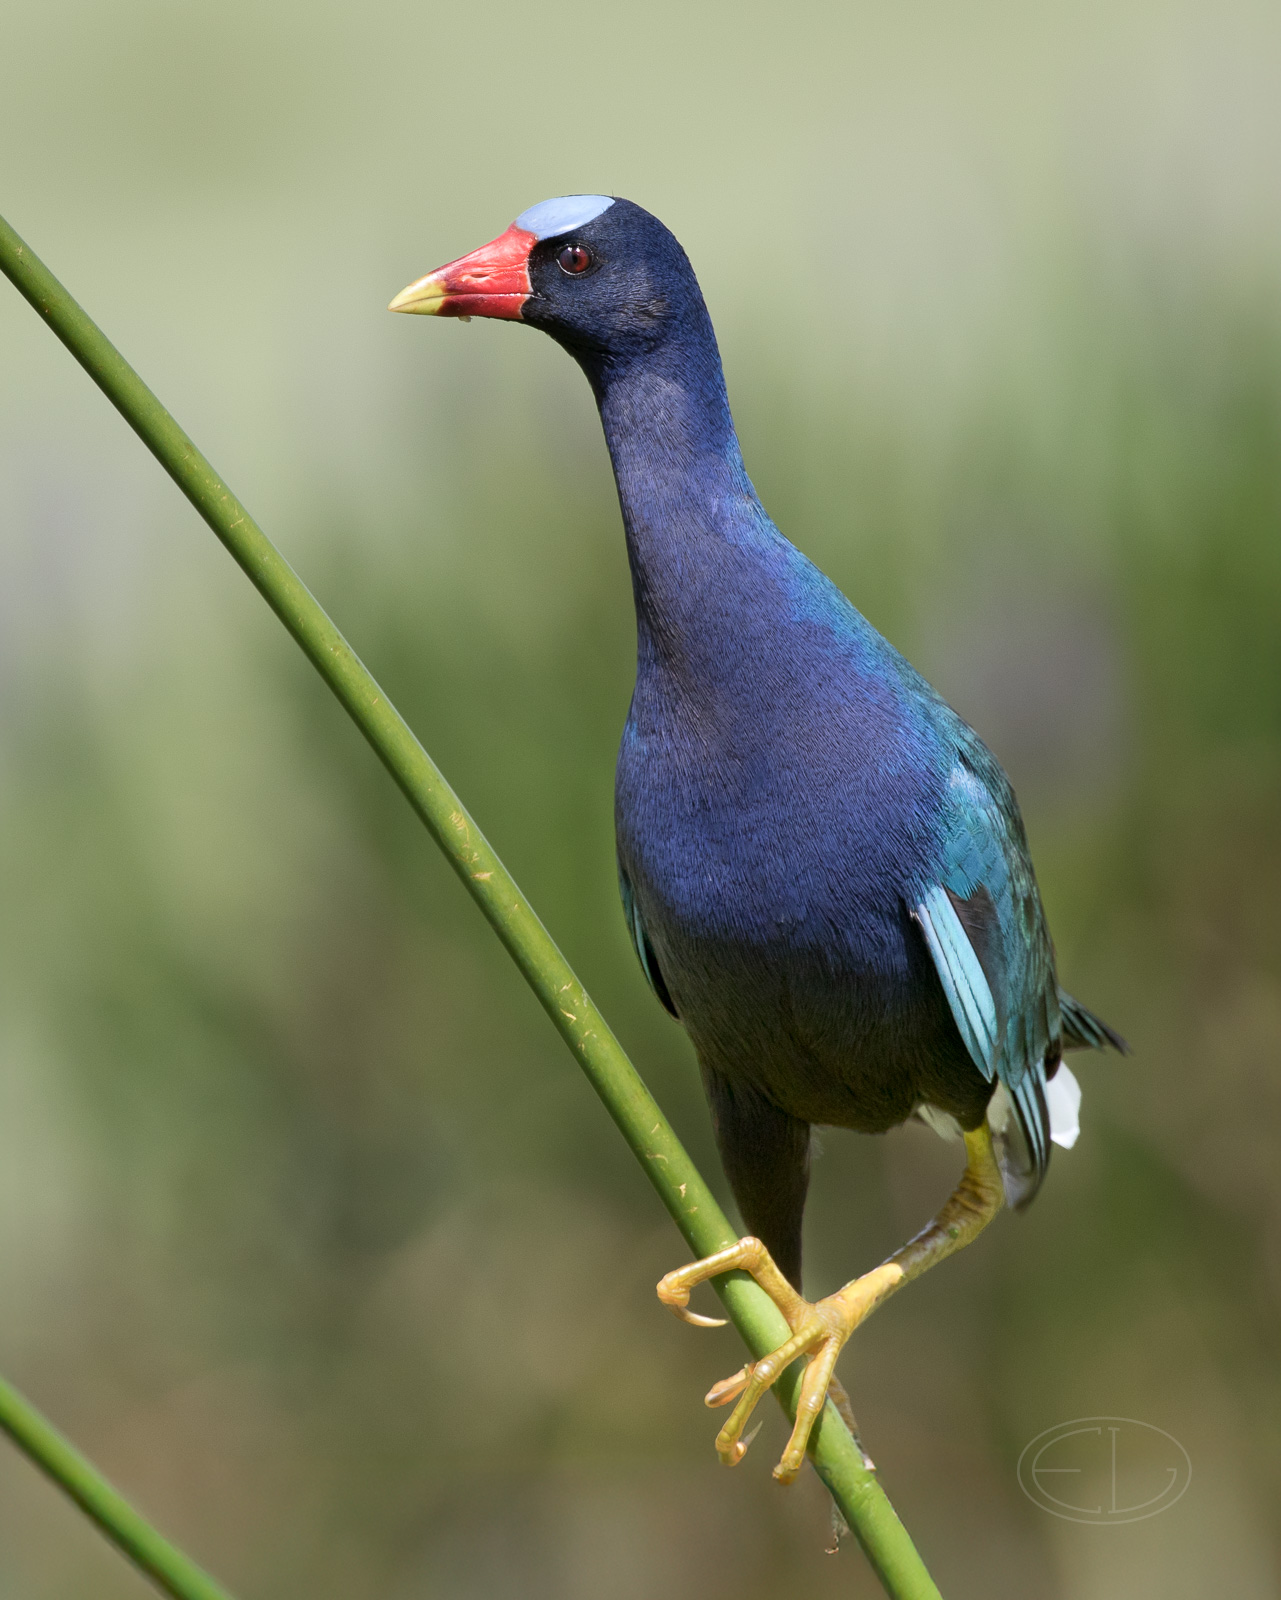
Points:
641	943
964	982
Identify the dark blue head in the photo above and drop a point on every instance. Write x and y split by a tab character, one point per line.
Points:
602	276
608	282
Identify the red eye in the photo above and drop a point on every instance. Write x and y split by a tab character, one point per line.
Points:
574	259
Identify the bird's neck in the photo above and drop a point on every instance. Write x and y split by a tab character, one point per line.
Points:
695	527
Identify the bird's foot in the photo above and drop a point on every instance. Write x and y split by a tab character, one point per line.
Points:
819	1331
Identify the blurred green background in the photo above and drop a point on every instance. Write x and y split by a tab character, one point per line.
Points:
310	1233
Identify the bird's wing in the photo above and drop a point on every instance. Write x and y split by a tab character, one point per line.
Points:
983	924
641	942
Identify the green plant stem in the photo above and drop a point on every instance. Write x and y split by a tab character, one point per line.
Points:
161	1561
857	1493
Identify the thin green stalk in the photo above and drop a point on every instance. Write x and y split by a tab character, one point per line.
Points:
165	1563
857	1493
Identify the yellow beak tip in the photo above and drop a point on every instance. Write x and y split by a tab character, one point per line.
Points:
424	297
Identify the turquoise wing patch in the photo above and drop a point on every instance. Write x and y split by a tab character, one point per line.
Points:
963	979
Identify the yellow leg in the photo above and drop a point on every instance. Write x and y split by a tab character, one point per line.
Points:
820	1329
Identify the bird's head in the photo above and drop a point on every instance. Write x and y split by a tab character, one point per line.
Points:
600	275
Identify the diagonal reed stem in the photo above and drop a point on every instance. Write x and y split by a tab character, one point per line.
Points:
858	1495
163	1562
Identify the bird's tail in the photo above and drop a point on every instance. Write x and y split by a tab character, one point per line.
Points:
1082	1030
1039	1110
1025	1121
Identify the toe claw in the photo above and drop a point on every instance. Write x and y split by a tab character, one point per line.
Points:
675	1296
739	1448
720	1394
695	1318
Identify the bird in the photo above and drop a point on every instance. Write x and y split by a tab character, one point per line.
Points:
824	870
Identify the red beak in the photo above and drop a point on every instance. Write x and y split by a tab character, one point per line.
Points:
490	282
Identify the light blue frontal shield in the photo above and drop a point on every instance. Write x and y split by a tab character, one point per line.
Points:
552	217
